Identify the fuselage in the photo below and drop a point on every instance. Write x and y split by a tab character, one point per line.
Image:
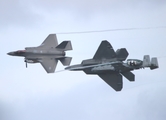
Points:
33	55
107	67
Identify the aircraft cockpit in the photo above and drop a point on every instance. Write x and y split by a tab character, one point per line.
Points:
134	62
20	51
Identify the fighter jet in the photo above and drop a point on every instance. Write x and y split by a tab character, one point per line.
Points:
48	53
111	66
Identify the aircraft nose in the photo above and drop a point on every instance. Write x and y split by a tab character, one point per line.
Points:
10	53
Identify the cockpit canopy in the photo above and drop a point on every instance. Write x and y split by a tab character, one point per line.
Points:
134	62
20	51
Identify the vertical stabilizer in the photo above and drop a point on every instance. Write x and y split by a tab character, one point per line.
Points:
122	54
154	63
146	61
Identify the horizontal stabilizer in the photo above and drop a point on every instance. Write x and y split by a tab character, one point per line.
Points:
129	75
114	80
154	63
146	61
122	54
65	45
66	61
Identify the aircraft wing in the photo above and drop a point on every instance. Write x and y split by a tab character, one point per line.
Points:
105	50
114	80
49	64
129	75
50	41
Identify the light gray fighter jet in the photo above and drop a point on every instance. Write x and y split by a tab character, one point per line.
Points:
109	65
48	53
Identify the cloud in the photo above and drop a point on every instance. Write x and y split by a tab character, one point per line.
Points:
73	13
150	103
33	94
6	111
98	15
88	101
17	13
93	6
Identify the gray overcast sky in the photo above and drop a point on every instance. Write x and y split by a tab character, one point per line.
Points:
31	94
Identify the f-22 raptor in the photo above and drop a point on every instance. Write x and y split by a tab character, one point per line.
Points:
48	53
109	65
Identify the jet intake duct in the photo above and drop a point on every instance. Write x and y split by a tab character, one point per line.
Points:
90	62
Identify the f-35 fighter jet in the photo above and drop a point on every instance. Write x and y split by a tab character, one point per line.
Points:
48	53
109	65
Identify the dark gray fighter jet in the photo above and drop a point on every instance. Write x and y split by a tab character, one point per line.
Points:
48	53
109	65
